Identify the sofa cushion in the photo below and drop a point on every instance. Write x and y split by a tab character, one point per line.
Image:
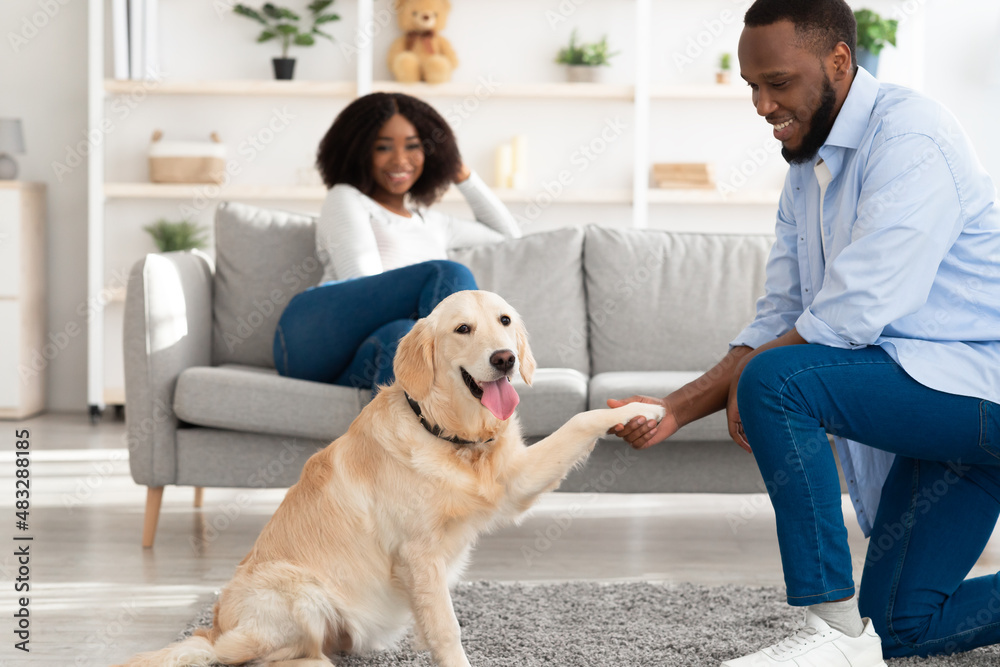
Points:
555	395
541	276
669	301
258	400
263	258
657	384
219	458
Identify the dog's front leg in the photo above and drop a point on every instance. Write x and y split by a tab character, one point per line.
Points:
426	581
549	460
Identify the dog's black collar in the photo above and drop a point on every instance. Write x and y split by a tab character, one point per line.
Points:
435	429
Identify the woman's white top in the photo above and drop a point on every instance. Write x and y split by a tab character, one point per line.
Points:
356	236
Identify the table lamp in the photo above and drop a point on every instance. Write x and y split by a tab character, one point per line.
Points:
11	143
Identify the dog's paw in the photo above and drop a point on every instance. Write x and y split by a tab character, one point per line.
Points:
630	411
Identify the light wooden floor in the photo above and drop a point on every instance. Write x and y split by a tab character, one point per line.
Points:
97	597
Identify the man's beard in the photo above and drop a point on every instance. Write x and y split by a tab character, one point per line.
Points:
819	128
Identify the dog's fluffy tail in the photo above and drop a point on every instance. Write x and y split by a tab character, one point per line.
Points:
197	651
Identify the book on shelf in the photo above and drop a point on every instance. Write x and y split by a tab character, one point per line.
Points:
136	26
685	175
151	40
119	39
143	39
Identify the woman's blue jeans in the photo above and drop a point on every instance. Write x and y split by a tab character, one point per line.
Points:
346	332
938	507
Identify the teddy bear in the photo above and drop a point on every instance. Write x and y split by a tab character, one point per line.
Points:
422	53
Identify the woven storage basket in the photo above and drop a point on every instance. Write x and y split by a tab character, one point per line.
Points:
186	161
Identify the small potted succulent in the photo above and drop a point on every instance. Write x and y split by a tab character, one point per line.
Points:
172	236
725	65
874	32
583	60
284	24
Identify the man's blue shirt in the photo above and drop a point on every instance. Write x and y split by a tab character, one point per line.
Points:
903	254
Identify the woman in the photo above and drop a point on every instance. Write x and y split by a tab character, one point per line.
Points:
386	158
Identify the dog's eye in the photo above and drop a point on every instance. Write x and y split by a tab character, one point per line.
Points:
463	329
504	320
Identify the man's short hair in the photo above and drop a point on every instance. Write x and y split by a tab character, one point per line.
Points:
820	24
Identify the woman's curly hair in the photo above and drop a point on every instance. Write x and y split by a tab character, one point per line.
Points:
345	153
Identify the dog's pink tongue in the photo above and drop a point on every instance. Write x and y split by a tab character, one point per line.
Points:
500	398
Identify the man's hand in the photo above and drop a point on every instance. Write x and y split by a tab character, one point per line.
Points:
791	337
640	432
733	410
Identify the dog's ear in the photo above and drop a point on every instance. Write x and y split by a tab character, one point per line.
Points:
414	362
527	360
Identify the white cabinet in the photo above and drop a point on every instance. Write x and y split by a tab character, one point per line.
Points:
26	352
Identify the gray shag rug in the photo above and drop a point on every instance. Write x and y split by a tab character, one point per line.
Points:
618	625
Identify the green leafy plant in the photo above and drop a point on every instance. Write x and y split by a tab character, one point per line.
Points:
182	235
874	32
284	24
725	62
593	55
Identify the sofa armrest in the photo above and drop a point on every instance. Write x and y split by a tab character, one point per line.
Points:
167	328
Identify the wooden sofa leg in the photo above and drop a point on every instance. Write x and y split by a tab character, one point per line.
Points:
154	496
199	496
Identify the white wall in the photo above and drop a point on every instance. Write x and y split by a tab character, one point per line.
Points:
43	76
43	82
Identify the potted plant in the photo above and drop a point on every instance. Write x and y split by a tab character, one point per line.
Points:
582	60
172	236
284	24
874	33
725	64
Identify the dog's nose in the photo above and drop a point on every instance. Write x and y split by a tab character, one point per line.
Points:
503	360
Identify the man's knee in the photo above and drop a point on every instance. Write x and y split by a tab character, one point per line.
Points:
761	376
901	627
776	375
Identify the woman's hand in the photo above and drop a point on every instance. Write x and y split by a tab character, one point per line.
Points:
463	173
640	432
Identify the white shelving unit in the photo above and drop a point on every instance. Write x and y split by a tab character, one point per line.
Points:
305	193
644	100
101	192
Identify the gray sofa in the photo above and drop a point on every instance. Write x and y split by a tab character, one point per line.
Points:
610	313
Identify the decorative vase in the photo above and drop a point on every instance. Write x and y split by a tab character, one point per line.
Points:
868	60
583	74
284	68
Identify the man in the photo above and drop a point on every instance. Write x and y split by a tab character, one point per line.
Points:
880	325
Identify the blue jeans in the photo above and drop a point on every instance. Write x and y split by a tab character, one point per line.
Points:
938	507
346	332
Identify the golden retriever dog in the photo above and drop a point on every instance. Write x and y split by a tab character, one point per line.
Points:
366	544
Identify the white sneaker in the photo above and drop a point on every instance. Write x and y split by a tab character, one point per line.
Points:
818	645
